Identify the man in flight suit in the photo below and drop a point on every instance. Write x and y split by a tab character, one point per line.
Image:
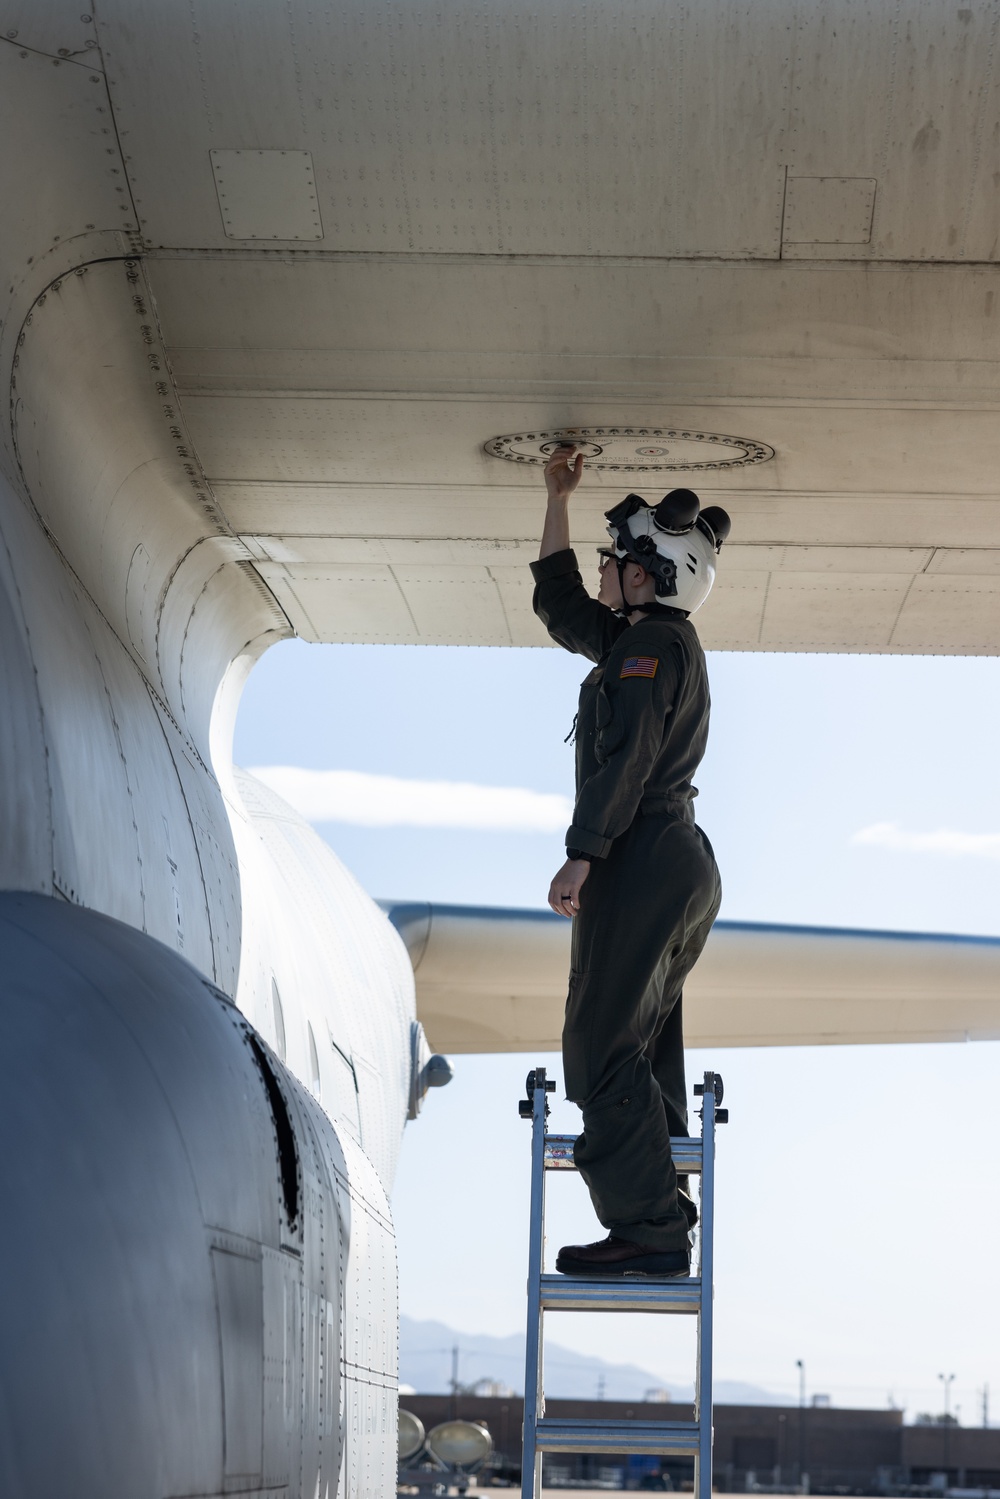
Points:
640	878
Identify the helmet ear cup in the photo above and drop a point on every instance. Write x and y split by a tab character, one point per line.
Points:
677	511
718	523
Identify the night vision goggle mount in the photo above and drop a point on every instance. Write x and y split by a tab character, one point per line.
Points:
677	514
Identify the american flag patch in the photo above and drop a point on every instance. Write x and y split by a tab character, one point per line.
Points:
639	666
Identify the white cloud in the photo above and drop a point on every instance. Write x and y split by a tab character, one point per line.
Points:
944	841
374	801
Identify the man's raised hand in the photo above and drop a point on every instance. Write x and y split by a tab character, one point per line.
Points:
562	473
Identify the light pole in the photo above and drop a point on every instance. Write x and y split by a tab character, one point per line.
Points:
800	1365
946	1380
454	1383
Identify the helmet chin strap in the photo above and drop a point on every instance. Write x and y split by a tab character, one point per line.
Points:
627	609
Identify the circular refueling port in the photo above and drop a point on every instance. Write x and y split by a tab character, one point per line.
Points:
635	449
588	449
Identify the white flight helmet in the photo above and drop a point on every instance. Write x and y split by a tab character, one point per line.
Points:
675	541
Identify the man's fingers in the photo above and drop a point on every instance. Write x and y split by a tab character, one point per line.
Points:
564	891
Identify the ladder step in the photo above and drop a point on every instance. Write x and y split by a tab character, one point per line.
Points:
670	1438
686	1152
569	1293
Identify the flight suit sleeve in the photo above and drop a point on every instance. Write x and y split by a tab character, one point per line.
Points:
635	700
575	621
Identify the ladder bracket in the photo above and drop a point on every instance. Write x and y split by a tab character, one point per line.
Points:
536	1079
713	1081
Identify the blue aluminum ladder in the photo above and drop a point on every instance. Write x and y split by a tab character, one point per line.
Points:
551	1293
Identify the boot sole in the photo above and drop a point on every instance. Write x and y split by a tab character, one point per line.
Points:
626	1272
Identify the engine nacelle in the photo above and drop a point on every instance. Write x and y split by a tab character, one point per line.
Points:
199	1273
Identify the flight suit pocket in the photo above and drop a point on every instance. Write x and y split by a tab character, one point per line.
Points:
610	728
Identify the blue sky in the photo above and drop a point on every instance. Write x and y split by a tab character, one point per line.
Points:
858	1206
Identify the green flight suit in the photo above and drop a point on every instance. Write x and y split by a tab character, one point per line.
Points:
647	906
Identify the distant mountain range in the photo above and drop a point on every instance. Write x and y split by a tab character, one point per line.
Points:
425	1364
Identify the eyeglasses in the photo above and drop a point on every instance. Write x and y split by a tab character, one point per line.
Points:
604	556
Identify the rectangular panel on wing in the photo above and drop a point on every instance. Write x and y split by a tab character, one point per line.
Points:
823	612
940	618
342	603
266	195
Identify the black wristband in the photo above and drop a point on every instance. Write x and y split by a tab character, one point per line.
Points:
577	853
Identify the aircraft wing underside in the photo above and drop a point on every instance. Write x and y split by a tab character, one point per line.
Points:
495	980
428	226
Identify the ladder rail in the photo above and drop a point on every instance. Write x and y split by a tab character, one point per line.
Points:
534	1397
703	1414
